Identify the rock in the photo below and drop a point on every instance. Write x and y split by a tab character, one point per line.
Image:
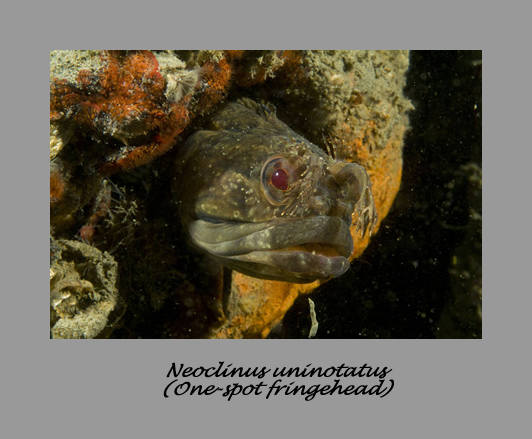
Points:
83	291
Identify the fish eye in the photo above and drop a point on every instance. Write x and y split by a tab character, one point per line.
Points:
279	179
277	174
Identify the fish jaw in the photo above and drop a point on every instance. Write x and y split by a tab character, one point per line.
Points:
292	249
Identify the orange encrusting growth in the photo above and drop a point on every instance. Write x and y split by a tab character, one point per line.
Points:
128	86
178	119
215	78
124	99
262	304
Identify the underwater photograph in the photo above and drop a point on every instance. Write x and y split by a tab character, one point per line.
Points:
296	194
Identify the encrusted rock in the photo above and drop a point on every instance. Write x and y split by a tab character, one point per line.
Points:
83	291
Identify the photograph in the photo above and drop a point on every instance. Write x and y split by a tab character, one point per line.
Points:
281	194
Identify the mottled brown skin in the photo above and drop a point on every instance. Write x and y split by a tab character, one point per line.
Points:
233	210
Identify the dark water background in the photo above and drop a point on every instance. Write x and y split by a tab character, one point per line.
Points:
421	275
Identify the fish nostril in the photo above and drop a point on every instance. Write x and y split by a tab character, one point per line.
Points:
351	178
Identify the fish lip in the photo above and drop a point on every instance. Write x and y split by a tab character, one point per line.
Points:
230	238
280	249
291	266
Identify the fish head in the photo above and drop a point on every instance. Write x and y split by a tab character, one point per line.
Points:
264	201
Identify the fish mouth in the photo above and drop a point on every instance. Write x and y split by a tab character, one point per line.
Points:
292	249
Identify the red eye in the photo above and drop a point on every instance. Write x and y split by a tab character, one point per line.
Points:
279	179
277	174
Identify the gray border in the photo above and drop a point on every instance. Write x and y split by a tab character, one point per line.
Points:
104	388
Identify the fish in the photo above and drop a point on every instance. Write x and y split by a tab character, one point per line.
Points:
262	200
